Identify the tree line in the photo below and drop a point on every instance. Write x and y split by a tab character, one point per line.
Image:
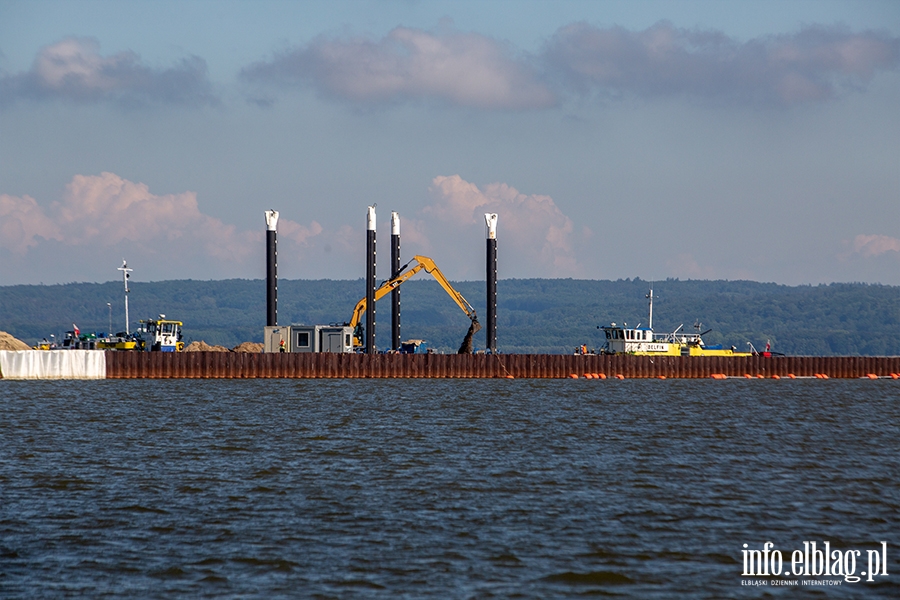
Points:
534	315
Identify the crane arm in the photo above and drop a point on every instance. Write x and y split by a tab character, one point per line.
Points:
386	287
421	262
432	270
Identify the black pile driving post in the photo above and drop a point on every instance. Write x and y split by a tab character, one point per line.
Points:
271	268
370	281
395	270
490	220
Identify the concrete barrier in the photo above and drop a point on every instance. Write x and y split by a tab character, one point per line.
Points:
53	364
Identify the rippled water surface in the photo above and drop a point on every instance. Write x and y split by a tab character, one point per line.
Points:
440	488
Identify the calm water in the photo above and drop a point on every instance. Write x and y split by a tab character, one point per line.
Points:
437	488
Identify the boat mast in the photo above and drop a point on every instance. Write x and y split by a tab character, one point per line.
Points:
649	296
125	275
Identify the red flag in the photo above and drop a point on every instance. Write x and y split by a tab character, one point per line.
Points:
75	327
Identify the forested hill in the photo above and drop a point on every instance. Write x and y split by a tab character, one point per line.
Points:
534	315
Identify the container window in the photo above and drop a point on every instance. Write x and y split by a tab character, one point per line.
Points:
303	339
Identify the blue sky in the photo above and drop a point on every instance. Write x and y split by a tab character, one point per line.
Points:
701	140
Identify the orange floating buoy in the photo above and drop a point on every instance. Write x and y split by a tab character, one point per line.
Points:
895	375
661	377
573	376
872	376
718	376
792	376
619	376
510	377
760	376
601	375
776	377
588	376
596	375
748	375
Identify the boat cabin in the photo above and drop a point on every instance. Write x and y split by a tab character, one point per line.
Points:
639	340
161	335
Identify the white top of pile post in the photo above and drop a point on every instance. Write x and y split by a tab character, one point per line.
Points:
490	219
395	223
271	220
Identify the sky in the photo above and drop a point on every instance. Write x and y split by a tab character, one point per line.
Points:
692	140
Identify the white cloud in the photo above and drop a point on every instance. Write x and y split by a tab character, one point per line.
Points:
23	223
875	245
73	69
104	214
462	69
301	235
538	240
472	70
810	65
106	210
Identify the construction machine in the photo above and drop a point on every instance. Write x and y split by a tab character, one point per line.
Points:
418	263
160	335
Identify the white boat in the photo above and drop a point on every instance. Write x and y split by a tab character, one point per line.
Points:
643	341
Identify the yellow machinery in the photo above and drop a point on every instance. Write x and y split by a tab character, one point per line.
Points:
406	272
161	335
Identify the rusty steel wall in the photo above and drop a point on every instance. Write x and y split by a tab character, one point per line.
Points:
239	365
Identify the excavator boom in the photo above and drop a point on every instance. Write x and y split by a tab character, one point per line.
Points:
404	274
431	268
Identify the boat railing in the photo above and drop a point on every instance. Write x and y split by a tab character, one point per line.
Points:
677	338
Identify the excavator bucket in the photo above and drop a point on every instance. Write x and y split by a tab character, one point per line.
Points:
466	347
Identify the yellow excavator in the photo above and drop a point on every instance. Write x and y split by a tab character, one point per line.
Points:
418	263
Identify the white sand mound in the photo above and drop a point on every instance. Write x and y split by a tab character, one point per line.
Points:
8	342
202	346
248	347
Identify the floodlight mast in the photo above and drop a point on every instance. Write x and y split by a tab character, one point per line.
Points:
125	276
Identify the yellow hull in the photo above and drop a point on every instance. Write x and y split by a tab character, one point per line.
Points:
679	350
694	351
101	345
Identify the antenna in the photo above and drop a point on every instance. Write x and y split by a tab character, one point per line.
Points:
698	326
649	296
125	277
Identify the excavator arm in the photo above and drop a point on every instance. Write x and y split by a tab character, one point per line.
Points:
426	263
404	274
